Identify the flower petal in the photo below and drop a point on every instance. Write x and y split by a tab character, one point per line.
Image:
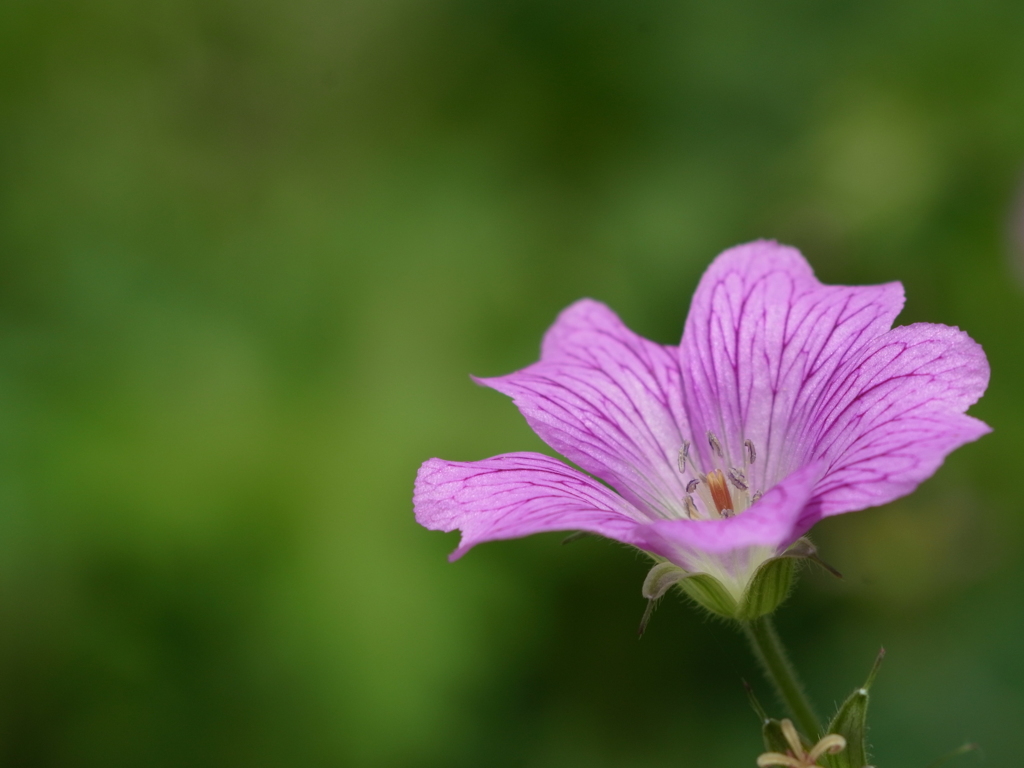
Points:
611	402
762	341
892	414
832	744
772	524
514	495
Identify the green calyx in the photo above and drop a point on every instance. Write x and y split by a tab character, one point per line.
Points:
767	588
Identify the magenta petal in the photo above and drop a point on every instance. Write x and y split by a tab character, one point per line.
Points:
610	401
774	522
892	414
514	495
761	344
841	411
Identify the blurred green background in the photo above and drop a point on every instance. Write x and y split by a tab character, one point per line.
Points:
249	254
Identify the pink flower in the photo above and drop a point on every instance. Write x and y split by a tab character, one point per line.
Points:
787	401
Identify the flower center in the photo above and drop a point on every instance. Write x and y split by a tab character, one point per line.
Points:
722	492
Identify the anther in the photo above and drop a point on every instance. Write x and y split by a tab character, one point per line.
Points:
684	453
756	497
715	445
751	453
737	479
691	508
727	513
692	485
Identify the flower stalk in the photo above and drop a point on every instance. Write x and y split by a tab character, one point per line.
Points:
768	648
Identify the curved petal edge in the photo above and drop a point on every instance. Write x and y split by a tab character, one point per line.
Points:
517	494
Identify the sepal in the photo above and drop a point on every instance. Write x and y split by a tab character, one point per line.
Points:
706	590
767	589
709	593
850	722
774	738
659	580
804	549
771	729
770	585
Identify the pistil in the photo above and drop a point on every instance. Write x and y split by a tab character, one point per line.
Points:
719	490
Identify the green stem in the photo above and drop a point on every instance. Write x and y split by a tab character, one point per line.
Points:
777	668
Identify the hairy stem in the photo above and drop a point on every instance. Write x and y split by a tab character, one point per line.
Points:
779	670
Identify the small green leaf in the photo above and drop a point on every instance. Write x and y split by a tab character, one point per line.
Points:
709	593
850	722
768	588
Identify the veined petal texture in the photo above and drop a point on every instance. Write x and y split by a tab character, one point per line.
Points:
762	342
731	549
891	415
610	401
517	494
816	404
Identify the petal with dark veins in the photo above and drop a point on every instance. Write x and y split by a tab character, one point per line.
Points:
762	341
610	401
774	522
514	495
890	416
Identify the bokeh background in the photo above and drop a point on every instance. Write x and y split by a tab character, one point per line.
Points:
250	252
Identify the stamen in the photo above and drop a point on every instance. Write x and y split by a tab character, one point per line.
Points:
692	485
751	453
691	508
715	445
737	478
684	454
727	513
756	497
719	490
